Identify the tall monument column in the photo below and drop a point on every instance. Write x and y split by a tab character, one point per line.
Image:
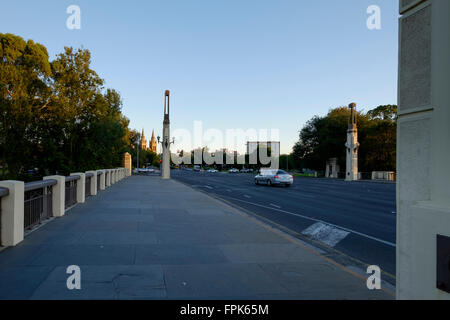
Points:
352	146
423	151
165	170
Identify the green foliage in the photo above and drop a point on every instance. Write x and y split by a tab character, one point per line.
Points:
324	137
56	115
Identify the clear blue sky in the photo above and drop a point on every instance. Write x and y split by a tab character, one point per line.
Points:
231	64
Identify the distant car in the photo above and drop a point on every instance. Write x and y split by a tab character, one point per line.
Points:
197	168
272	177
146	170
212	171
233	170
244	170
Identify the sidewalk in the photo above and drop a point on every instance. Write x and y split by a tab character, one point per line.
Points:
145	238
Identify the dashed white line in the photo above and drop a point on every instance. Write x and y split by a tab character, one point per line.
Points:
247	196
274	205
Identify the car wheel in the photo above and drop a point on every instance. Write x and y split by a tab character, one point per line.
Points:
256	182
269	183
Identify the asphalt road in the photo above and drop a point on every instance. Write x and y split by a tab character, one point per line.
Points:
357	219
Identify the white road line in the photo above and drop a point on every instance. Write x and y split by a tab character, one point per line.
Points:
317	220
274	205
247	196
209	187
324	233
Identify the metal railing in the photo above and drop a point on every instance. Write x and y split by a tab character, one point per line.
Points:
3	193
89	177
37	202
71	191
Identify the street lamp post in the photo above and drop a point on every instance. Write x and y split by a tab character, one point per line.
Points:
165	169
137	158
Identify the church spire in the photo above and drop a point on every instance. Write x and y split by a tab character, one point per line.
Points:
143	141
153	143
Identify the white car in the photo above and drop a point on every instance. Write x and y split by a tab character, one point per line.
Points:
212	171
233	170
273	177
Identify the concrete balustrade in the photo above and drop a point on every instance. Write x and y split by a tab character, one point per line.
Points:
93	186
81	187
12	204
12	213
107	178
102	180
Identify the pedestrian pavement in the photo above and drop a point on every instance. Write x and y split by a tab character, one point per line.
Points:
147	238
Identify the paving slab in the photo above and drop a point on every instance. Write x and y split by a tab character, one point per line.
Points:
147	238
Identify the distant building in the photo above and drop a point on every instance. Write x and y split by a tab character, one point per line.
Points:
152	146
143	141
153	142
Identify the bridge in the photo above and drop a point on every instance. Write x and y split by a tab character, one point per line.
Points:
141	237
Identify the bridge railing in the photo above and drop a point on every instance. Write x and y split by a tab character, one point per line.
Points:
37	202
3	193
24	206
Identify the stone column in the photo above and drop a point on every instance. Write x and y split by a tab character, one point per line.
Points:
58	195
107	173
81	187
103	180
352	146
12	213
93	182
127	163
423	149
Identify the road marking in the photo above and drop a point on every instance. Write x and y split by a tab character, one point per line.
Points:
228	190
209	187
247	196
325	233
274	205
317	220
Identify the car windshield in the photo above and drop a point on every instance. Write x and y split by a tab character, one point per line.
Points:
281	172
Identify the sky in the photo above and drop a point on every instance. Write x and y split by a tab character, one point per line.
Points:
235	64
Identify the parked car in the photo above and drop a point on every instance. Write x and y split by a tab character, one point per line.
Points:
212	171
272	177
245	170
197	168
233	170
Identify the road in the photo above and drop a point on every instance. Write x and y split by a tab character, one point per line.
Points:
356	219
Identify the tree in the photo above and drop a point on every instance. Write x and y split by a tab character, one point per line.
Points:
324	137
56	116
